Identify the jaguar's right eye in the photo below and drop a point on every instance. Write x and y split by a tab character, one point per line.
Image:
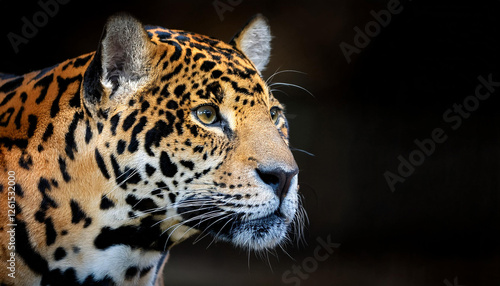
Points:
275	113
206	114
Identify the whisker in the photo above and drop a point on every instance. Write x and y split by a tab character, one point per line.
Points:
283	71
279	90
271	77
249	258
123	182
266	254
215	236
303	151
287	254
195	203
180	214
183	223
292	85
203	220
189	220
198	238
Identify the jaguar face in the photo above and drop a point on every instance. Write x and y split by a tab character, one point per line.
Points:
213	139
249	195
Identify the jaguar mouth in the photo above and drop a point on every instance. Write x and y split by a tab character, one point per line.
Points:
256	233
261	233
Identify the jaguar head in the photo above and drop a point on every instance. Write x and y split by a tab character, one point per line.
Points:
209	142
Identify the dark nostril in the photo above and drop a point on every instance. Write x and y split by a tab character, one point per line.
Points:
278	179
270	178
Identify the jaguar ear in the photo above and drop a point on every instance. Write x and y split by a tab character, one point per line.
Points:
254	40
121	63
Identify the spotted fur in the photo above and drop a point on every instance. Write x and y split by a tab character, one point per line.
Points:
113	166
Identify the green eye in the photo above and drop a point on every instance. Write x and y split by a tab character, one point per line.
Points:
275	112
206	114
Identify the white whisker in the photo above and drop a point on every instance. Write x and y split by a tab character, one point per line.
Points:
292	85
283	71
123	182
303	151
215	236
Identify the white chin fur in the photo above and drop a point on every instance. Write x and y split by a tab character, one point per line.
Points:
259	234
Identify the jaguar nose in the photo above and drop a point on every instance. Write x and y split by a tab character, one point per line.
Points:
278	179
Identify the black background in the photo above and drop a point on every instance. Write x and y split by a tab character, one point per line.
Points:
439	227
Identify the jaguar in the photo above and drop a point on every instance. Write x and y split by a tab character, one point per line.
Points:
109	159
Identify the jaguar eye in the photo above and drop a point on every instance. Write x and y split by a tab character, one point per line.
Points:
275	112
206	114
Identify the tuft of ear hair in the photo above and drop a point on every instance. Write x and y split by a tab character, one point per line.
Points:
254	40
121	63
